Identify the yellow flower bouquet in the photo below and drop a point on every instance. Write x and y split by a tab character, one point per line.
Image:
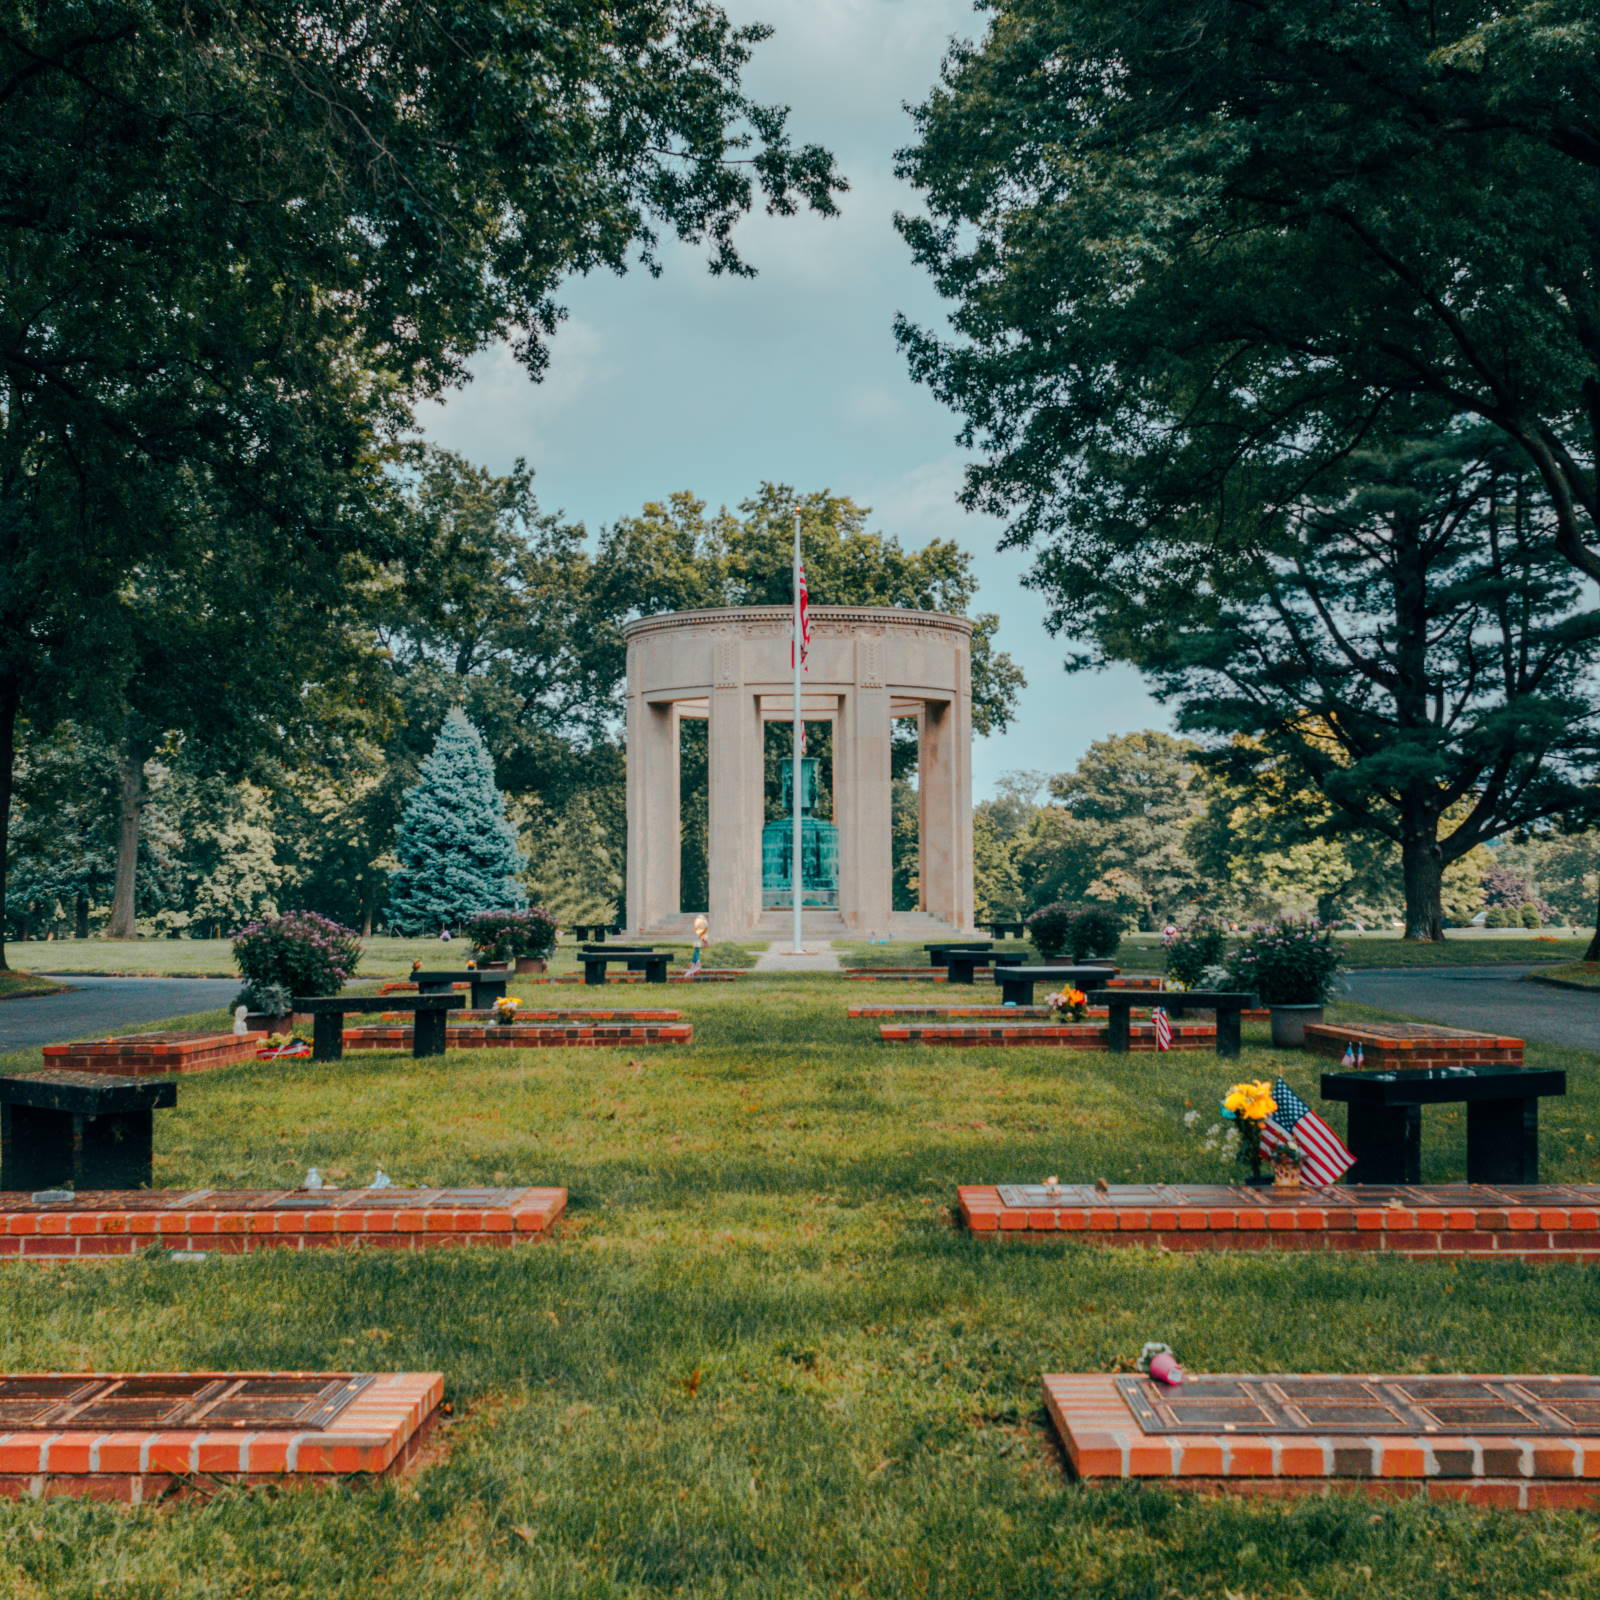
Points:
1248	1105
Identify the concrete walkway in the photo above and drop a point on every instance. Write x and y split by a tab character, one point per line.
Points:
819	957
103	1005
1489	998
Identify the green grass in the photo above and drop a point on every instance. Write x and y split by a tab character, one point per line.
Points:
761	1362
1586	973
200	958
17	985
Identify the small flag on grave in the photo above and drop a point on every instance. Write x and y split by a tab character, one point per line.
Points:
1163	1028
1324	1158
1348	1059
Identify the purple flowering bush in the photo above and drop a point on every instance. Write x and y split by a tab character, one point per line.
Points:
1194	950
509	935
300	951
1287	963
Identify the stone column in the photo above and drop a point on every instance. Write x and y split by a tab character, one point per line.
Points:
659	875
734	809
862	797
936	821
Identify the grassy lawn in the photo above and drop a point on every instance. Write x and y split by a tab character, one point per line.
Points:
760	1362
1586	973
213	958
16	985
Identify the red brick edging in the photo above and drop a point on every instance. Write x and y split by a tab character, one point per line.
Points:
1104	1441
380	1432
121	1223
1546	1221
1392	1045
153	1055
1087	1035
526	1036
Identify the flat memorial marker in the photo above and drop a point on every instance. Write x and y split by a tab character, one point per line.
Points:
1516	1440
137	1436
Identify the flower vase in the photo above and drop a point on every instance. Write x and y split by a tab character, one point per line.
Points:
1286	1175
527	964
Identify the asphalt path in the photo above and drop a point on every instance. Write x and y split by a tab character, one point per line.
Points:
102	1005
1488	998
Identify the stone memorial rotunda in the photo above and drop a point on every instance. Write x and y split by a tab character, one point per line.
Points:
866	667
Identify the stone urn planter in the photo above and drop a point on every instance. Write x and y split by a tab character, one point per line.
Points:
1289	1024
527	964
259	1021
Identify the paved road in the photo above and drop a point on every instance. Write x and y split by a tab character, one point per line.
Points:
1482	997
102	1005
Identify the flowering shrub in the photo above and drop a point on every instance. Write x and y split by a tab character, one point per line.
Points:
1080	932
510	935
1287	963
1195	950
300	952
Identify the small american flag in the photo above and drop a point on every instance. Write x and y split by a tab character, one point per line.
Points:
1323	1156
1163	1028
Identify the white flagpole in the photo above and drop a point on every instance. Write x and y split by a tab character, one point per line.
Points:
795	880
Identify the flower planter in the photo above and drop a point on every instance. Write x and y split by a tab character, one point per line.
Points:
1289	1024
531	964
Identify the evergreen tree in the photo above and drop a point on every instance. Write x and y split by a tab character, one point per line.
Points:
458	855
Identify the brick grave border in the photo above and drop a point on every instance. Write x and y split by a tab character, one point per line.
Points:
123	1222
1392	1045
380	1433
529	1014
1542	1221
1103	1441
526	1036
1062	1035
155	1055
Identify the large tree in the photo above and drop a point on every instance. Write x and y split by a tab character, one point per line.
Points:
238	242
1197	246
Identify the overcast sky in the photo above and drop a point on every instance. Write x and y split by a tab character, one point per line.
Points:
714	384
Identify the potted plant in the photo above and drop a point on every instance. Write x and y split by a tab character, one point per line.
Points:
299	953
1193	951
1290	966
526	939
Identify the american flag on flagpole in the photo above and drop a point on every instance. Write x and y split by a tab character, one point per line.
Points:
1324	1158
1163	1027
804	597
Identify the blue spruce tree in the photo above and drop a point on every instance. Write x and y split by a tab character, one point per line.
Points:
458	855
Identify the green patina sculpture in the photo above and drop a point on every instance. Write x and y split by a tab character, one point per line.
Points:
819	848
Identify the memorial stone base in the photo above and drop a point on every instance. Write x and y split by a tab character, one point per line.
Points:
113	1222
1520	1442
528	1036
1388	1046
1542	1222
154	1055
1087	1035
142	1437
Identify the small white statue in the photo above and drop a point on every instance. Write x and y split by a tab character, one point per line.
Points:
313	1180
239	1014
381	1180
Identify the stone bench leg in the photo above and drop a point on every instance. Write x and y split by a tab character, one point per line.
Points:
427	1034
327	1036
960	972
1386	1142
1503	1141
1118	1018
1018	991
1228	1040
594	972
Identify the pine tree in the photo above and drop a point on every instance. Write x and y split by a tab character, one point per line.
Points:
458	855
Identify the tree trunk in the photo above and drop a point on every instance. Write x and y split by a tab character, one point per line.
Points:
1591	954
8	762
133	759
1422	868
80	916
